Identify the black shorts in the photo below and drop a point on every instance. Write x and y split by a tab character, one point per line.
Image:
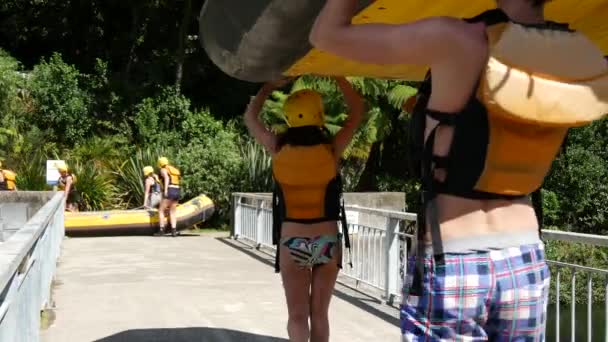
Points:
173	194
74	197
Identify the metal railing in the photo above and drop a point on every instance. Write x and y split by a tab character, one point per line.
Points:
27	266
382	239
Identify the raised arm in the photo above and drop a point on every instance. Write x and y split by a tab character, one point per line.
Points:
424	42
356	107
254	124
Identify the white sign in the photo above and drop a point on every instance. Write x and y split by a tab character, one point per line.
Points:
52	174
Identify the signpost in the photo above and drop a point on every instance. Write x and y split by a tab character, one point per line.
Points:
52	173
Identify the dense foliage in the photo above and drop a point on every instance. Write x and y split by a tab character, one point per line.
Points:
111	85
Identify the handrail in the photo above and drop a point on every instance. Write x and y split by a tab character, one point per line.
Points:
19	245
28	265
380	246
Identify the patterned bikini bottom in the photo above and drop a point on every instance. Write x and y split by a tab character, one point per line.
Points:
311	251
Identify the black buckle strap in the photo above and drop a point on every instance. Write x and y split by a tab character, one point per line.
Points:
448	119
345	233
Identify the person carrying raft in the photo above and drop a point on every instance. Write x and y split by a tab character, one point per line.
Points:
502	91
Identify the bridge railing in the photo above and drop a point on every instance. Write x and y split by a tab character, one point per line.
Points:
382	239
27	265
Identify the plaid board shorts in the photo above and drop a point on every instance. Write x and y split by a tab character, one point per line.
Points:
498	295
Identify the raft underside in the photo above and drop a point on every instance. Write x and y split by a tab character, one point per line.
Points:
266	39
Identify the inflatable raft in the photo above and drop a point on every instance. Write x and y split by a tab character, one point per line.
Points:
261	40
119	222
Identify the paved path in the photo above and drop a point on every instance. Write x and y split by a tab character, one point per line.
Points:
190	288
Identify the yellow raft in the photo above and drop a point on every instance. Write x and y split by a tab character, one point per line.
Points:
197	210
266	39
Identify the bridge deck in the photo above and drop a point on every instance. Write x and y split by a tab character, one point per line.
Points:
190	288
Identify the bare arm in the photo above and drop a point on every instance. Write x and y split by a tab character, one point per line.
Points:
424	42
146	191
256	127
356	107
68	186
163	173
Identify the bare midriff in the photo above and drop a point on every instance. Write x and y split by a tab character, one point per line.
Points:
291	229
461	217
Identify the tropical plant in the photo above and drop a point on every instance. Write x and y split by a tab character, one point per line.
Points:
107	152
96	186
31	173
257	165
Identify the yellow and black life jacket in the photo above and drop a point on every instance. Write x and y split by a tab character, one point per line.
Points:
540	80
9	182
307	189
63	182
174	174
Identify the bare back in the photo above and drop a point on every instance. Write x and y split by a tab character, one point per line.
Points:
453	85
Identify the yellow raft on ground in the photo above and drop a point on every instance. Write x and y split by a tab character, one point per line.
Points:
137	221
267	39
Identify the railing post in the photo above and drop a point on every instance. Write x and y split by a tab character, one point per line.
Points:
259	223
232	215
391	260
236	217
573	308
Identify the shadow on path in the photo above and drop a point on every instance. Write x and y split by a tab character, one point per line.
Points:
187	335
364	302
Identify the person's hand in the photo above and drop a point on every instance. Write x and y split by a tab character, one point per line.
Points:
166	193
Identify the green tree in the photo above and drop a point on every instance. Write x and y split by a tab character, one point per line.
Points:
62	105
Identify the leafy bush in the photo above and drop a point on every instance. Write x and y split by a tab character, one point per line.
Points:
212	165
160	118
107	152
10	84
578	179
62	105
583	255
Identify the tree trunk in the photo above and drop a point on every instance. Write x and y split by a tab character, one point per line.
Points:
181	48
135	31
367	180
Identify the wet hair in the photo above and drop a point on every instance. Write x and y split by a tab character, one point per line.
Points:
305	136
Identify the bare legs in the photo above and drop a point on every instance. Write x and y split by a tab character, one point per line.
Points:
308	295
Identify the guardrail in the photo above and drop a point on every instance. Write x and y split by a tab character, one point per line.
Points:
27	265
380	243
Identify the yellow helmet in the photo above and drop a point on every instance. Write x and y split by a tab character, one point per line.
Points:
62	167
304	108
148	170
162	161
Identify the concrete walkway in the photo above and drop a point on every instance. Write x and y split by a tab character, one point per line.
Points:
190	288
